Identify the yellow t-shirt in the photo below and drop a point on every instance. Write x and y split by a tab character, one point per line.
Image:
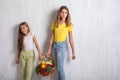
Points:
61	31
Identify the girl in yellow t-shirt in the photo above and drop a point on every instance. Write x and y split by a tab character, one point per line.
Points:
60	29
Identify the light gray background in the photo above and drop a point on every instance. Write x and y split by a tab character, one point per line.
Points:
96	35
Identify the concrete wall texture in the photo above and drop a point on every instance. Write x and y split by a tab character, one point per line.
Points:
96	36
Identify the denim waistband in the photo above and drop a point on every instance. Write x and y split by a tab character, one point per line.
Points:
61	42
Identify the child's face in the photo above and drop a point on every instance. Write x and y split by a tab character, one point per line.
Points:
24	29
63	14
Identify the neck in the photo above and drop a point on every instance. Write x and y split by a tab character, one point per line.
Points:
62	21
26	34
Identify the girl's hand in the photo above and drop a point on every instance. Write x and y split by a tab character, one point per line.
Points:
73	56
41	57
17	60
48	54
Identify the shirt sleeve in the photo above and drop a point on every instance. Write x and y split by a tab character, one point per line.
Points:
70	28
32	34
53	26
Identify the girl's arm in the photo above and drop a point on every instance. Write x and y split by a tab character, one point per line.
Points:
50	44
17	59
72	45
18	53
37	46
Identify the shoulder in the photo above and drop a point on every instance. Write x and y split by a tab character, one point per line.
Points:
53	25
32	34
70	28
70	25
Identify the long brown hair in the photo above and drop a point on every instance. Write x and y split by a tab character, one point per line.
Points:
68	18
21	36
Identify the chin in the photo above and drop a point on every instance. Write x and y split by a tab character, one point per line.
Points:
63	18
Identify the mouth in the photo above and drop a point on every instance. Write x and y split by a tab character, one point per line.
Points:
23	32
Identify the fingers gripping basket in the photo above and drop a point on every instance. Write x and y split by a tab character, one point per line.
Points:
45	67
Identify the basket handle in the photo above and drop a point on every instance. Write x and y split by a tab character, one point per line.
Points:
42	59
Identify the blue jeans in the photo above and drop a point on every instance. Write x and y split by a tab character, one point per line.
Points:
59	49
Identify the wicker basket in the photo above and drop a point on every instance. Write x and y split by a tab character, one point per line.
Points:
45	67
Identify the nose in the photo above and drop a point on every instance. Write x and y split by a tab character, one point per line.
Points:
64	13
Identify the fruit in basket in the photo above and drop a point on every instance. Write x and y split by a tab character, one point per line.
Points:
42	70
48	69
43	66
49	63
43	63
38	69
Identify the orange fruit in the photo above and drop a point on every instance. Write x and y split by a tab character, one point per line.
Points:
43	63
43	66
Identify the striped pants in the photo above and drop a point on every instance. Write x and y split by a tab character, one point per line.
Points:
26	63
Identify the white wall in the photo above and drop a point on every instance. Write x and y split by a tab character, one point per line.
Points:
96	35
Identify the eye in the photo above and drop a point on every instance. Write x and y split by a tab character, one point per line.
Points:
20	28
62	12
23	27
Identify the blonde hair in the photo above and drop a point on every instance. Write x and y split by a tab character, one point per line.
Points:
68	18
